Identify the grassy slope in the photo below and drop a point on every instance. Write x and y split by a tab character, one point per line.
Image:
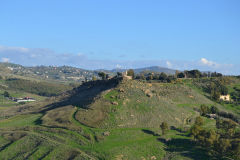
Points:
173	103
132	123
234	108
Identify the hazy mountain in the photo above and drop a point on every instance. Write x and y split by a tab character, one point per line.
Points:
149	69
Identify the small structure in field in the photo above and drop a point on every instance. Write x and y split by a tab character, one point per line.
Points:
212	116
25	99
225	97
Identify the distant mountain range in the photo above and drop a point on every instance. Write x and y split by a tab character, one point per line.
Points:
156	69
68	73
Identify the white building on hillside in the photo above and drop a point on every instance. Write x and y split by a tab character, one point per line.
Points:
225	97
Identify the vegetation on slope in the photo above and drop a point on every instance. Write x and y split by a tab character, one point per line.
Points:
39	88
109	119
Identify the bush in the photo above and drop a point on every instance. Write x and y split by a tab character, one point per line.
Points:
164	127
6	94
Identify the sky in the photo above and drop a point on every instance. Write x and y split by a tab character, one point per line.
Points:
107	34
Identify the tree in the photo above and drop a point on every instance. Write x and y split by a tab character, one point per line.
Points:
102	75
164	127
196	128
130	72
181	75
193	74
204	110
214	110
119	74
199	121
224	90
195	131
222	143
170	78
163	77
150	77
225	125
6	94
215	94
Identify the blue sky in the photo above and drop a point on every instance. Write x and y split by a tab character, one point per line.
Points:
184	34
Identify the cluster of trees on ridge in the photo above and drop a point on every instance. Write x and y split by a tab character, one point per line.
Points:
235	95
214	84
186	74
163	77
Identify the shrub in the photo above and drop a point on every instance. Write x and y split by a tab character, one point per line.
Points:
164	127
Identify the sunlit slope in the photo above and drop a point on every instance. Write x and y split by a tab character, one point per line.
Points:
138	104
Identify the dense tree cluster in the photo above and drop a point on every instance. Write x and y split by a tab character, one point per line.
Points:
193	74
217	88
6	94
103	75
197	74
222	143
162	77
235	95
164	127
205	110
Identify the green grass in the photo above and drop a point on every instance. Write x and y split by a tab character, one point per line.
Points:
40	152
129	143
20	120
233	107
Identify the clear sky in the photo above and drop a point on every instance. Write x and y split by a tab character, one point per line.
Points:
169	32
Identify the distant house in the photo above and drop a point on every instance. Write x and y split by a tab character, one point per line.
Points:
225	97
25	99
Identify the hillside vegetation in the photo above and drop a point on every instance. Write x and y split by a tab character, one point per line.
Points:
111	119
39	88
